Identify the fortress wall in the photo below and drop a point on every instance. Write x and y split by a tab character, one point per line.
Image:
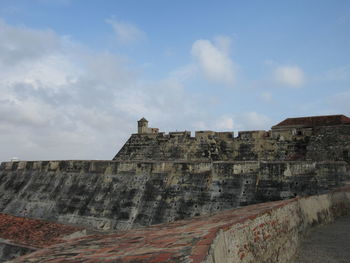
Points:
274	236
266	232
318	144
330	143
207	146
122	195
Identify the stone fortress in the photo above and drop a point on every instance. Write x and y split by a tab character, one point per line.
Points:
317	138
159	178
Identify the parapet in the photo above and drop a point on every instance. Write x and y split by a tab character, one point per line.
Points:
253	134
153	130
327	138
295	126
204	134
180	133
224	135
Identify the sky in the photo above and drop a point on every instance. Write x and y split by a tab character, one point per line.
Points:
76	75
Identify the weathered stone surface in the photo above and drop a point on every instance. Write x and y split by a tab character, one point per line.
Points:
327	243
321	143
34	233
261	233
19	236
10	251
122	195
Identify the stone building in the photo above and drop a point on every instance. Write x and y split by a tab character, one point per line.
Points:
142	125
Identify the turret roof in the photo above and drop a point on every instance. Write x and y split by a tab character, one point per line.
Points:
143	119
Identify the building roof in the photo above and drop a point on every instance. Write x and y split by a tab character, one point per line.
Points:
312	121
143	119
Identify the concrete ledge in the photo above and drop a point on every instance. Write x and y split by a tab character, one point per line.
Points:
267	232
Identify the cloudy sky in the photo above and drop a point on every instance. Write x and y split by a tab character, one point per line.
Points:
76	75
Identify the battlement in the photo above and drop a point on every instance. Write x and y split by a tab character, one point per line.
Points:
225	135
259	134
180	133
307	138
291	126
204	134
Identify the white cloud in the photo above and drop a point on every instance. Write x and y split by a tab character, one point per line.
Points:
223	43
224	123
292	76
243	121
199	125
127	33
19	44
266	96
69	102
214	60
255	121
184	73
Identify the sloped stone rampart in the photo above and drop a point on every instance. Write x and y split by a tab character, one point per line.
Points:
266	232
122	195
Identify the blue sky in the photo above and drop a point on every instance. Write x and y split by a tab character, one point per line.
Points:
76	75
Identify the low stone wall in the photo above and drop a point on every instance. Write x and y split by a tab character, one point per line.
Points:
121	195
274	236
267	232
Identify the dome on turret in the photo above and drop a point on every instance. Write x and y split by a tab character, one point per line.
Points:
143	120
